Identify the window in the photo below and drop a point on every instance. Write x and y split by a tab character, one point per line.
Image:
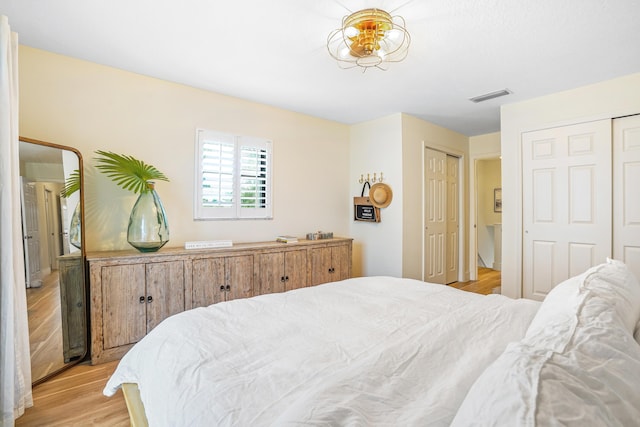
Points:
233	177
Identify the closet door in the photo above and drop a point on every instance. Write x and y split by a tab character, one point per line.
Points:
566	203
626	202
435	212
453	220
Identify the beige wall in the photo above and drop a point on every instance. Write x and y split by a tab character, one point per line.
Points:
394	145
317	163
609	99
416	134
484	145
92	107
376	146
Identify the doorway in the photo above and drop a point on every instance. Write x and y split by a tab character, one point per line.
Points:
489	213
53	229
486	192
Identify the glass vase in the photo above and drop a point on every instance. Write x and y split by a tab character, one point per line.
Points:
148	230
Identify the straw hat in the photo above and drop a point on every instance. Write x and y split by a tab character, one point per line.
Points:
380	195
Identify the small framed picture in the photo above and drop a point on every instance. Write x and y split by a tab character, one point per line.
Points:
497	199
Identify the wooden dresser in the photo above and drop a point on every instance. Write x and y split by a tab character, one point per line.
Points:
72	306
131	292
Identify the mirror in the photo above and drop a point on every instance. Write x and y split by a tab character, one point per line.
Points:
53	236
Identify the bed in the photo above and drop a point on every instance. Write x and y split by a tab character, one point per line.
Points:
390	351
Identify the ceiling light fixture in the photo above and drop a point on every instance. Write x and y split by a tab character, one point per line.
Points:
369	38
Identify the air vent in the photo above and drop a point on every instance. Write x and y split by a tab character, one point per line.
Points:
488	96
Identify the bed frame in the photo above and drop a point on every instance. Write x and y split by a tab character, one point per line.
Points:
134	405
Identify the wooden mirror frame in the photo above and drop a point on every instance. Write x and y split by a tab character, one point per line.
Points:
82	357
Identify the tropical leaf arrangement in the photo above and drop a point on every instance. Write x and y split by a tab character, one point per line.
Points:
71	184
127	171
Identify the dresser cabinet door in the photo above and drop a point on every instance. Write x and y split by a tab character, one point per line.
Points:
320	266
123	304
165	291
340	263
270	276
239	271
208	281
281	271
295	269
330	264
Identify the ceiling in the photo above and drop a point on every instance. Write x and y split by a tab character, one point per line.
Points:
35	153
275	52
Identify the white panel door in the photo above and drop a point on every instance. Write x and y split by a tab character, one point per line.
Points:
435	217
453	220
31	235
626	192
566	203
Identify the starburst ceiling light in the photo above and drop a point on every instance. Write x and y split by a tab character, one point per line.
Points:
369	38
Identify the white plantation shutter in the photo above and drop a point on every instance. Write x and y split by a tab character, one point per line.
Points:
217	174
233	177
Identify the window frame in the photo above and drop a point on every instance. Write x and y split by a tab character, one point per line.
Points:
235	211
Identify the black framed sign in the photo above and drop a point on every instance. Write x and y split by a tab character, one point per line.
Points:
363	210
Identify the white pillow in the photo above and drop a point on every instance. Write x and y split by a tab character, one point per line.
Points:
553	325
637	334
578	363
555	321
594	384
617	284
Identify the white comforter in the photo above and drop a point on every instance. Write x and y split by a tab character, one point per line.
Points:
366	351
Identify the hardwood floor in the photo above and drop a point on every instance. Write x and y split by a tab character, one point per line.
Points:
74	398
45	327
488	282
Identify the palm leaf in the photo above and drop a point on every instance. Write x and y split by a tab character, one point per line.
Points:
128	172
71	185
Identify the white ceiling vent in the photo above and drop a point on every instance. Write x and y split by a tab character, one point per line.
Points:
491	95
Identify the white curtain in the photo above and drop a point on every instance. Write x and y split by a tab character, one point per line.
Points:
15	364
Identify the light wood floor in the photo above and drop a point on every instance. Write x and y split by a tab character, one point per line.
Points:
74	398
489	281
45	327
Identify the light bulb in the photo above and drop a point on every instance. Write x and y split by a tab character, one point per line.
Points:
392	35
350	32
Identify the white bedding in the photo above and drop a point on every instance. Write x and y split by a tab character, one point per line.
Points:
578	364
366	351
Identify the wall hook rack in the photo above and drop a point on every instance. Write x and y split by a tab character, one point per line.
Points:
371	180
